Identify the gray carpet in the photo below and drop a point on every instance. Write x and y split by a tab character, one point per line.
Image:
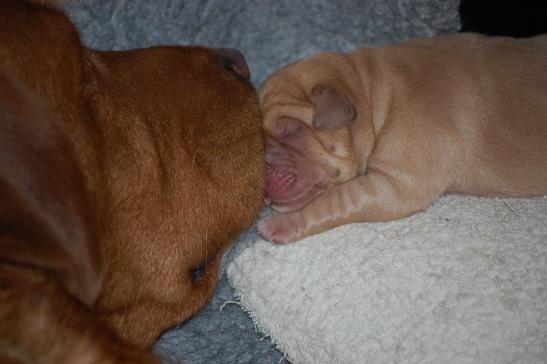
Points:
271	33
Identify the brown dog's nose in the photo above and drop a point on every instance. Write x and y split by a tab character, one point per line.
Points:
234	60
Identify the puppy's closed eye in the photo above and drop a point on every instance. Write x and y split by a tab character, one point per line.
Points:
286	127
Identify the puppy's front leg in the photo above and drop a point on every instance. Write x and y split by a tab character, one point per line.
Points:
377	196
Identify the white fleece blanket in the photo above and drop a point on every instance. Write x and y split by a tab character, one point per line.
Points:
463	282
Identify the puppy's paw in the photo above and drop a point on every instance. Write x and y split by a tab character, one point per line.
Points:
279	228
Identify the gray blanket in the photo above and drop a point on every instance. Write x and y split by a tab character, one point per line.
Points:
271	33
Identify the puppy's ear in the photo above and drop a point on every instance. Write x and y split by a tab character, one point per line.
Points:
332	110
46	221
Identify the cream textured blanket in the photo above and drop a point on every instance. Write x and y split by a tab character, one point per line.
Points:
463	282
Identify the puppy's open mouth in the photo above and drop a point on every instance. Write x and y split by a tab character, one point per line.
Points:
287	190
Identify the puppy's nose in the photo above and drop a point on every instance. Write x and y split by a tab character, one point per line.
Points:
234	60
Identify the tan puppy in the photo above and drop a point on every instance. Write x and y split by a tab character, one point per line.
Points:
381	133
124	176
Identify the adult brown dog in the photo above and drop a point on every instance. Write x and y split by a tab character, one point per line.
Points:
381	133
124	176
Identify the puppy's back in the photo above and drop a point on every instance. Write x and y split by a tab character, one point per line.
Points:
490	92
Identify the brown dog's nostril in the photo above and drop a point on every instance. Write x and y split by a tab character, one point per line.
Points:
234	60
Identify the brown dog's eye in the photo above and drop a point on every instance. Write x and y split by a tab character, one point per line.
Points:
205	268
200	271
227	63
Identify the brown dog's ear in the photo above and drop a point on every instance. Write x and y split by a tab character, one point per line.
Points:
332	109
46	221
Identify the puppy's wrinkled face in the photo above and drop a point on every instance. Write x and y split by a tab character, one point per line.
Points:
308	116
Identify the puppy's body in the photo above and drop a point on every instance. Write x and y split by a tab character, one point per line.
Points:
162	158
381	133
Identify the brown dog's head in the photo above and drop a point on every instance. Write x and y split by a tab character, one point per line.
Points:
316	123
185	175
166	155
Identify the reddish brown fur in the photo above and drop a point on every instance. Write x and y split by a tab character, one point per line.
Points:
460	113
152	166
